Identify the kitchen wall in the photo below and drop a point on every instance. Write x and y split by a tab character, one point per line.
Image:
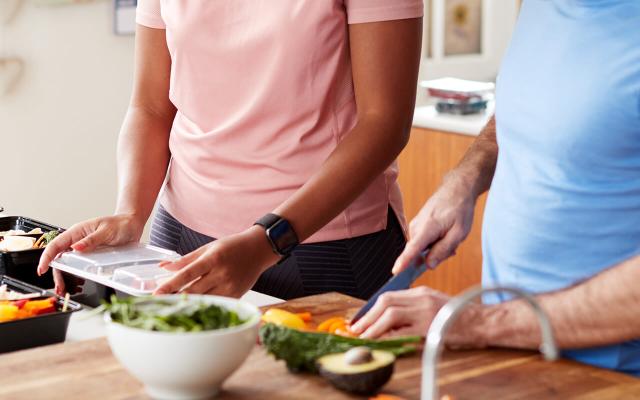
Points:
58	129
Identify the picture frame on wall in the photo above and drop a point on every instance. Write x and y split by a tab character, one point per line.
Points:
462	27
466	38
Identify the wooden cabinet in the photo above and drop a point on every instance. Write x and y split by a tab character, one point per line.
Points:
426	159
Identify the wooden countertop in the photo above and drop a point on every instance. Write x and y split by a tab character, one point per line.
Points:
88	370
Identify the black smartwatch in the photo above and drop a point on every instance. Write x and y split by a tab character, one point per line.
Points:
280	234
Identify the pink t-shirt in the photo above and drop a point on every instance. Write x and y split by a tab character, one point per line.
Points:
264	94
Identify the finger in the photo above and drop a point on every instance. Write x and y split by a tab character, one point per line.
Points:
445	247
58	279
411	250
393	318
386	300
187	274
92	241
203	285
425	236
181	262
61	243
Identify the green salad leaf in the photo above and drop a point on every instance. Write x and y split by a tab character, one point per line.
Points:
162	315
300	349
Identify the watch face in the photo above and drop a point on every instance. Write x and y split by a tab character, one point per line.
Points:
283	237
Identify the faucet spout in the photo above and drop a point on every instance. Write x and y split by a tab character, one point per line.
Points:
448	314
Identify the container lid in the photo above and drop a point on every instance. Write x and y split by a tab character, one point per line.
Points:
132	269
461	86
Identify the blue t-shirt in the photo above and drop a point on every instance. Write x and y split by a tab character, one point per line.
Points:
564	203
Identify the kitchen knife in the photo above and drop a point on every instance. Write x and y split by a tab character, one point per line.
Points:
399	282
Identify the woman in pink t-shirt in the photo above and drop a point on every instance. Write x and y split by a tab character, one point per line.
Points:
274	123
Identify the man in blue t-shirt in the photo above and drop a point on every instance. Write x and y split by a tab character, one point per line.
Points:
562	220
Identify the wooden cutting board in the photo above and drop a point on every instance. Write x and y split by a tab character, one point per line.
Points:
88	370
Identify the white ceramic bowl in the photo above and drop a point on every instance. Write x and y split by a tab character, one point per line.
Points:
176	366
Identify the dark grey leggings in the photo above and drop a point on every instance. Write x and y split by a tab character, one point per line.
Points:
357	266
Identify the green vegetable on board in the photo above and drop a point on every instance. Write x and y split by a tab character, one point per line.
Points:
163	315
300	349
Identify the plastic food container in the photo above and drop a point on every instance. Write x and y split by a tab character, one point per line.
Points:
35	331
457	89
472	106
22	264
131	269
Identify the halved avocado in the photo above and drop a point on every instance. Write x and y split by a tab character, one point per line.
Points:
359	370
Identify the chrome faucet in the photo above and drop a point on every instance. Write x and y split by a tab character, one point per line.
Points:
447	315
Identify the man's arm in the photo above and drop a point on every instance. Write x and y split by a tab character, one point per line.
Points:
602	310
478	165
446	218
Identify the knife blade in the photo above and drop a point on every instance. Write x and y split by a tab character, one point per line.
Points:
399	282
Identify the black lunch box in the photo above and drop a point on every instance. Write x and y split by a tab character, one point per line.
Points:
22	264
35	331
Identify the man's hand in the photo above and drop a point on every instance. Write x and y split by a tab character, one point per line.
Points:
228	266
442	224
410	312
445	220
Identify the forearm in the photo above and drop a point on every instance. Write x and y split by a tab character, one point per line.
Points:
362	156
475	171
385	76
602	310
143	144
143	158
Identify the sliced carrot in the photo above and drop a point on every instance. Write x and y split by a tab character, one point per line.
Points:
344	332
324	326
337	325
386	397
305	316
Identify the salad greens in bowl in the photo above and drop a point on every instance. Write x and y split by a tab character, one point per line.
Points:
170	315
181	346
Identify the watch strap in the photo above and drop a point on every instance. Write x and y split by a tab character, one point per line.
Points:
268	220
280	234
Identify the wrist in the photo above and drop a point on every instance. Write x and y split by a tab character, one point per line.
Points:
476	174
473	329
136	221
260	244
460	183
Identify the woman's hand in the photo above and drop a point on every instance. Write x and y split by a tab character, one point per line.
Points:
410	312
442	224
228	266
85	236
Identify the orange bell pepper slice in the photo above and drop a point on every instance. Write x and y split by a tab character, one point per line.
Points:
337	325
386	397
324	326
305	316
38	304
